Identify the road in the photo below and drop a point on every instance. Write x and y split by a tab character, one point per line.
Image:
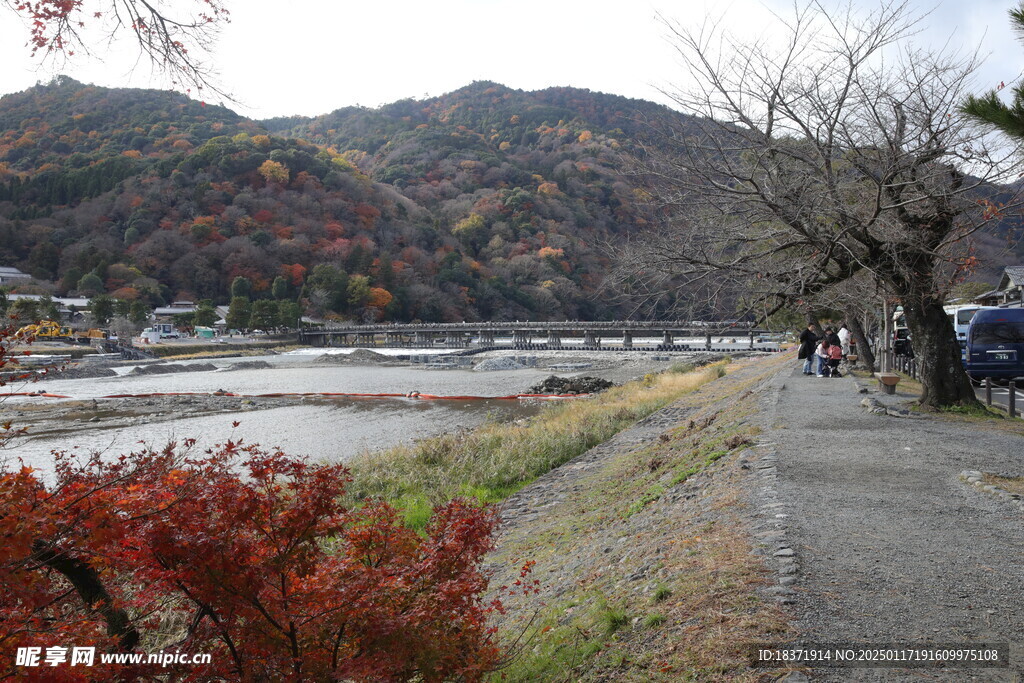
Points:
1001	396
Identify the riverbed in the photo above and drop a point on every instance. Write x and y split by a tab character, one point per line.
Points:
323	429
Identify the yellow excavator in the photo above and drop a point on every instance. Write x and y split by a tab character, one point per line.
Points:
93	335
46	330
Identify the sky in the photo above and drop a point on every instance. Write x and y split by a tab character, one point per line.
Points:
310	57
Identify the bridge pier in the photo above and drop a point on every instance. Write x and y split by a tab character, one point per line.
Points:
368	339
454	340
422	339
590	339
707	342
627	340
393	339
667	338
520	337
554	339
486	338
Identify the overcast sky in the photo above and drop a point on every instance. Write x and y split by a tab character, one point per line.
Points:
314	56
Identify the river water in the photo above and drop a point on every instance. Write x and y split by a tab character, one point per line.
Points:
324	431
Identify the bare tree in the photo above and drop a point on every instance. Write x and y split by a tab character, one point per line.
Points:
857	298
173	39
838	151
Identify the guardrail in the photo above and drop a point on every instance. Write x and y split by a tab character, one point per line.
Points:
908	366
697	326
1011	399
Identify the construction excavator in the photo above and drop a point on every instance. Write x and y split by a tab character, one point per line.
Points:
46	330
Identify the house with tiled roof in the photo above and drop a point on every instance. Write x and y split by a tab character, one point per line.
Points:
1011	286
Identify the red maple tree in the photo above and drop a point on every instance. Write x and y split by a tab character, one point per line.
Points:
243	553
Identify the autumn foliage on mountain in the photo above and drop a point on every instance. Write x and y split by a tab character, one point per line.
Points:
486	203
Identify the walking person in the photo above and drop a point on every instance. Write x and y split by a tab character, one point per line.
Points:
808	343
844	339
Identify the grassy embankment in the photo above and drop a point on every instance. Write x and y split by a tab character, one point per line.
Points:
646	561
496	460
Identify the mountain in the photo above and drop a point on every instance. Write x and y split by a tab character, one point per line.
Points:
485	203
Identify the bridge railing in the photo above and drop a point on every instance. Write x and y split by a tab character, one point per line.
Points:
697	328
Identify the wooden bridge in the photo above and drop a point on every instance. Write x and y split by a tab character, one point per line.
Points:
568	334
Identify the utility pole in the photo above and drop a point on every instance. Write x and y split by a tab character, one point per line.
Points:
886	364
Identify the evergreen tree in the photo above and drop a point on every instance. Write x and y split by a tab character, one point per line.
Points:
25	311
102	308
90	285
241	286
238	313
288	314
205	315
280	289
49	309
138	312
264	315
989	109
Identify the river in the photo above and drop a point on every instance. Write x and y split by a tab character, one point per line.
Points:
325	431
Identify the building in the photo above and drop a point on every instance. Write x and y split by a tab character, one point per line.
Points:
1010	291
12	276
166	313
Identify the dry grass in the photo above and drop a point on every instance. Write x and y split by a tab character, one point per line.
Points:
229	352
697	609
1010	484
495	460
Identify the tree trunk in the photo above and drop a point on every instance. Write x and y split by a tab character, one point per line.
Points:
812	319
91	590
937	352
865	356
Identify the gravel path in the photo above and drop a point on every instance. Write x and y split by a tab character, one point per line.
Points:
891	545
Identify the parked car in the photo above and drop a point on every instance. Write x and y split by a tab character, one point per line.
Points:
995	344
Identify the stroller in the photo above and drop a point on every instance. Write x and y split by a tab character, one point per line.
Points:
830	367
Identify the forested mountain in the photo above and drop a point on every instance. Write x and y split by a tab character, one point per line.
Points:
485	203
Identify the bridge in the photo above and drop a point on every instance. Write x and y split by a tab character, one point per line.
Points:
567	334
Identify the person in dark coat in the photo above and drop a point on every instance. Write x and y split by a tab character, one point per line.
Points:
808	343
833	338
